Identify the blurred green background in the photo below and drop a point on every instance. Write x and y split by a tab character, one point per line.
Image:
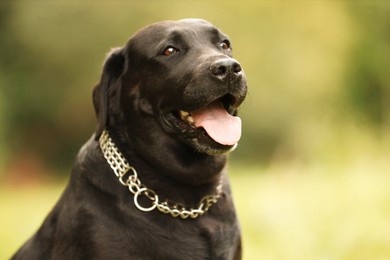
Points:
312	171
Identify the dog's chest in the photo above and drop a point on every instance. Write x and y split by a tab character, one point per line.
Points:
206	238
188	240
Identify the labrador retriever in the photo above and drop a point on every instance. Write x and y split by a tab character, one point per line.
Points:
151	182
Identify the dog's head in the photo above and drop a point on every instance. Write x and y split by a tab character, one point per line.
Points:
175	88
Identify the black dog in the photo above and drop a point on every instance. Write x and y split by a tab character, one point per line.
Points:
166	107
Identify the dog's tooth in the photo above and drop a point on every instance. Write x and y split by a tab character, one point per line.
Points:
190	119
184	114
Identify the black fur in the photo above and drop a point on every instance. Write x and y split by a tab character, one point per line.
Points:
139	93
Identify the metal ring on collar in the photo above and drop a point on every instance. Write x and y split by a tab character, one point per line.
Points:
147	193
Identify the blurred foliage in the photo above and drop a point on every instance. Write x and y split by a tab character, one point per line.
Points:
317	71
368	80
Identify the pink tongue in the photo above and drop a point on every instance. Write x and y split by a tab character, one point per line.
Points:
218	123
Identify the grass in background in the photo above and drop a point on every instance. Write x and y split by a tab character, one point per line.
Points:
23	209
286	213
311	213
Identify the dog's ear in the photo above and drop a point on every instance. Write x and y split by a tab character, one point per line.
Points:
113	68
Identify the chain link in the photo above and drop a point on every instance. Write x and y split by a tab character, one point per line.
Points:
121	168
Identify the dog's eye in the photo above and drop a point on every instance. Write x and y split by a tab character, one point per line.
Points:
169	51
225	45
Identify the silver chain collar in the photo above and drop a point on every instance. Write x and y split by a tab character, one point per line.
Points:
121	167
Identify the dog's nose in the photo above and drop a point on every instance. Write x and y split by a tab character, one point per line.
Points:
226	69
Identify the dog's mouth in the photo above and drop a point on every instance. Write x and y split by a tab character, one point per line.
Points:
213	128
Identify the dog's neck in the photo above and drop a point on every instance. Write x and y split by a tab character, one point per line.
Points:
123	170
